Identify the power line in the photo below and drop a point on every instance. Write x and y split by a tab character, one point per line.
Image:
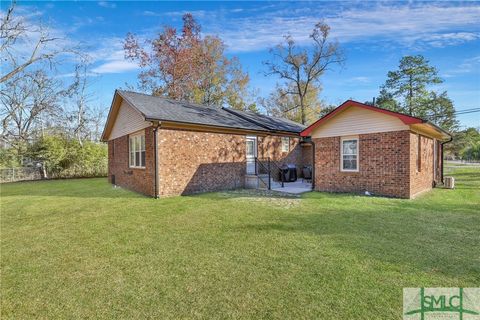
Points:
465	111
456	113
461	114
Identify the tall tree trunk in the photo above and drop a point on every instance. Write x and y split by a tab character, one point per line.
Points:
302	109
44	171
410	96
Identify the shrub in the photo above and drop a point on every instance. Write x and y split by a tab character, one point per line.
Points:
67	158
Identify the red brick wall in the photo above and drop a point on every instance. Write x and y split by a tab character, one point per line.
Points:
438	172
139	180
423	179
384	165
271	147
191	162
307	155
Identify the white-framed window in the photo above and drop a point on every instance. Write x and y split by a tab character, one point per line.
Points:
136	149
349	154
285	144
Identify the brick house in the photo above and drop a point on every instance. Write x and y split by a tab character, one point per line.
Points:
358	148
161	147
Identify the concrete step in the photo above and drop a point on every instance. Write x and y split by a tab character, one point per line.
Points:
260	182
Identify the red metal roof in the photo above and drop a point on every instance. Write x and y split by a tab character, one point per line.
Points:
350	103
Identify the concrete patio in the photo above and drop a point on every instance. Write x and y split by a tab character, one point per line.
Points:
296	187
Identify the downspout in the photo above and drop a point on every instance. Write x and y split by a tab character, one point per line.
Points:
155	148
441	173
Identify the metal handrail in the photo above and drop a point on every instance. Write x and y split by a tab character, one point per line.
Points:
268	168
259	163
279	169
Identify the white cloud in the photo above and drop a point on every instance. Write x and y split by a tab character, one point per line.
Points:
107	4
448	39
466	66
199	14
411	26
109	57
359	80
116	66
84	21
35	29
149	13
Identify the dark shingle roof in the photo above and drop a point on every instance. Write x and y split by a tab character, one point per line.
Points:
159	108
271	123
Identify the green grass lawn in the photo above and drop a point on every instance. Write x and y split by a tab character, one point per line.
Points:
82	249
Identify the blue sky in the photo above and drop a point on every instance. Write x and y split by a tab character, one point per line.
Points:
374	36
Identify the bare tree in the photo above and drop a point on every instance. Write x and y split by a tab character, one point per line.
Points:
301	67
15	32
25	101
97	120
281	104
78	115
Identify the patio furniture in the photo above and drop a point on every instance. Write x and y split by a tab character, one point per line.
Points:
307	173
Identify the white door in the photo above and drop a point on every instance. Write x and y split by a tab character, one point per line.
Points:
251	154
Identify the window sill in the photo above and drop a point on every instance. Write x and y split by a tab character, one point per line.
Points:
349	171
137	168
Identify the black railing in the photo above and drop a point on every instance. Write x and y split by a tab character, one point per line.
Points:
265	166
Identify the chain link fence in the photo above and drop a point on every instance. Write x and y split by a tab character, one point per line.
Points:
32	173
19	174
451	167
